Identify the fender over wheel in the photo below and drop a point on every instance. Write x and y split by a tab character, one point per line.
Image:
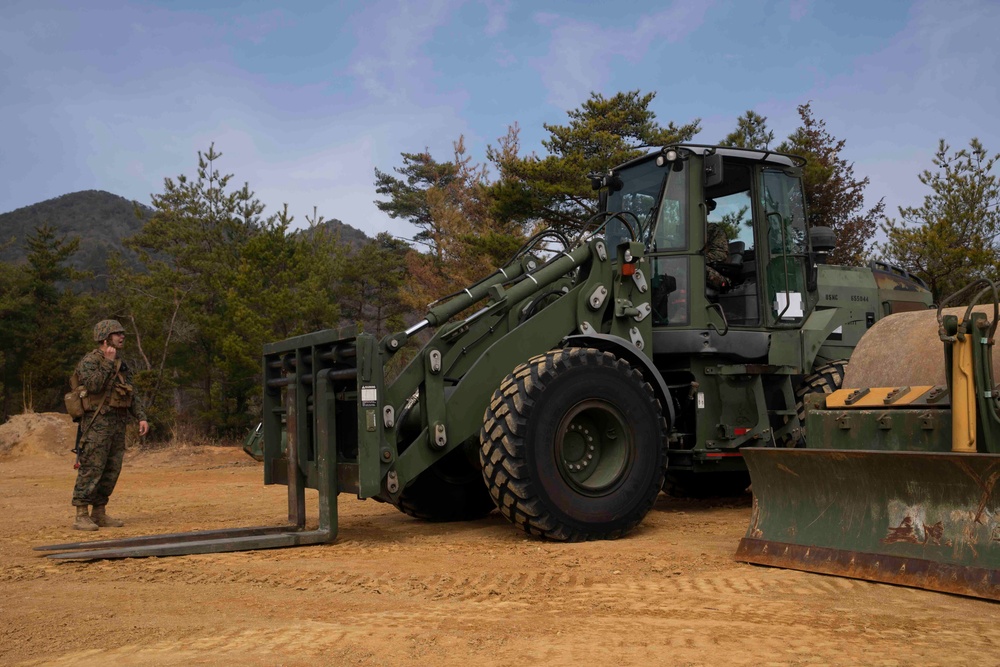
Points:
573	446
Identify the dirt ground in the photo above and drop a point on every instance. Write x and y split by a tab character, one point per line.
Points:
396	591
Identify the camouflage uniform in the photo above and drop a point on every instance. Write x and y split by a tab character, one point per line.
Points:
716	251
103	445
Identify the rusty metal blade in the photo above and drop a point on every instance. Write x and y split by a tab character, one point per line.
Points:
913	572
922	519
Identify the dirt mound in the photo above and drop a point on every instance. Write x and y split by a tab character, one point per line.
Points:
180	455
30	434
52	434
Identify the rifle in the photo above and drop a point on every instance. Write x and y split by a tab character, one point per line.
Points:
76	448
79	425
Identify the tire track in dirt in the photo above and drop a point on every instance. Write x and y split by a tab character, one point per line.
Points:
281	575
243	646
394	591
570	588
552	589
449	626
729	607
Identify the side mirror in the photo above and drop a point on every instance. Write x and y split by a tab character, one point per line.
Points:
610	180
713	170
822	239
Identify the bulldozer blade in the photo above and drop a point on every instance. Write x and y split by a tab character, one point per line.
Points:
181	544
921	519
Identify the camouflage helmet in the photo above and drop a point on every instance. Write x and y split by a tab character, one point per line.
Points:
105	328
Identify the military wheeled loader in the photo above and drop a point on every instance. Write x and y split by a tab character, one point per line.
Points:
565	386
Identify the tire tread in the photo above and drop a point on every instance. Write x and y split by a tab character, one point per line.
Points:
505	424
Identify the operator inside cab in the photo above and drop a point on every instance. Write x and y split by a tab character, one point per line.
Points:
716	252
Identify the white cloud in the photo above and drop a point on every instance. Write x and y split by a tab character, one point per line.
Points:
798	9
390	60
496	16
256	27
118	100
934	79
581	53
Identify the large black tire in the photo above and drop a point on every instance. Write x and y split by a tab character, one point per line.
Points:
824	379
450	490
573	446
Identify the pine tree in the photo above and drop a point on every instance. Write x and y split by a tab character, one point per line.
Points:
751	132
371	285
45	324
451	203
951	239
193	249
835	198
412	198
555	190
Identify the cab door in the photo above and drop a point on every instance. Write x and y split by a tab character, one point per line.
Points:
784	226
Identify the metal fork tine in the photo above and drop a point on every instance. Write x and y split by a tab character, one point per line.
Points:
207	546
198	535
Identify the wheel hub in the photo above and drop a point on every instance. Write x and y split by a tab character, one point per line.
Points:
578	448
594	446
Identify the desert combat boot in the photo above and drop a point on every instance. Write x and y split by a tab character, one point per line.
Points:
83	521
103	520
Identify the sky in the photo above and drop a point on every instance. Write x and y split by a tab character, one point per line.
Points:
306	100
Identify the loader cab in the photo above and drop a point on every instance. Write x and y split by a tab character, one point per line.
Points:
673	198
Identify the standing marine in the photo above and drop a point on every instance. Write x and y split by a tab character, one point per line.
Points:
109	402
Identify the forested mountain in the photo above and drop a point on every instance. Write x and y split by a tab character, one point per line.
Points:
351	236
200	294
101	220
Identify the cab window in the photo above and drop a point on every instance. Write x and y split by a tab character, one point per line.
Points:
786	220
635	203
672	216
